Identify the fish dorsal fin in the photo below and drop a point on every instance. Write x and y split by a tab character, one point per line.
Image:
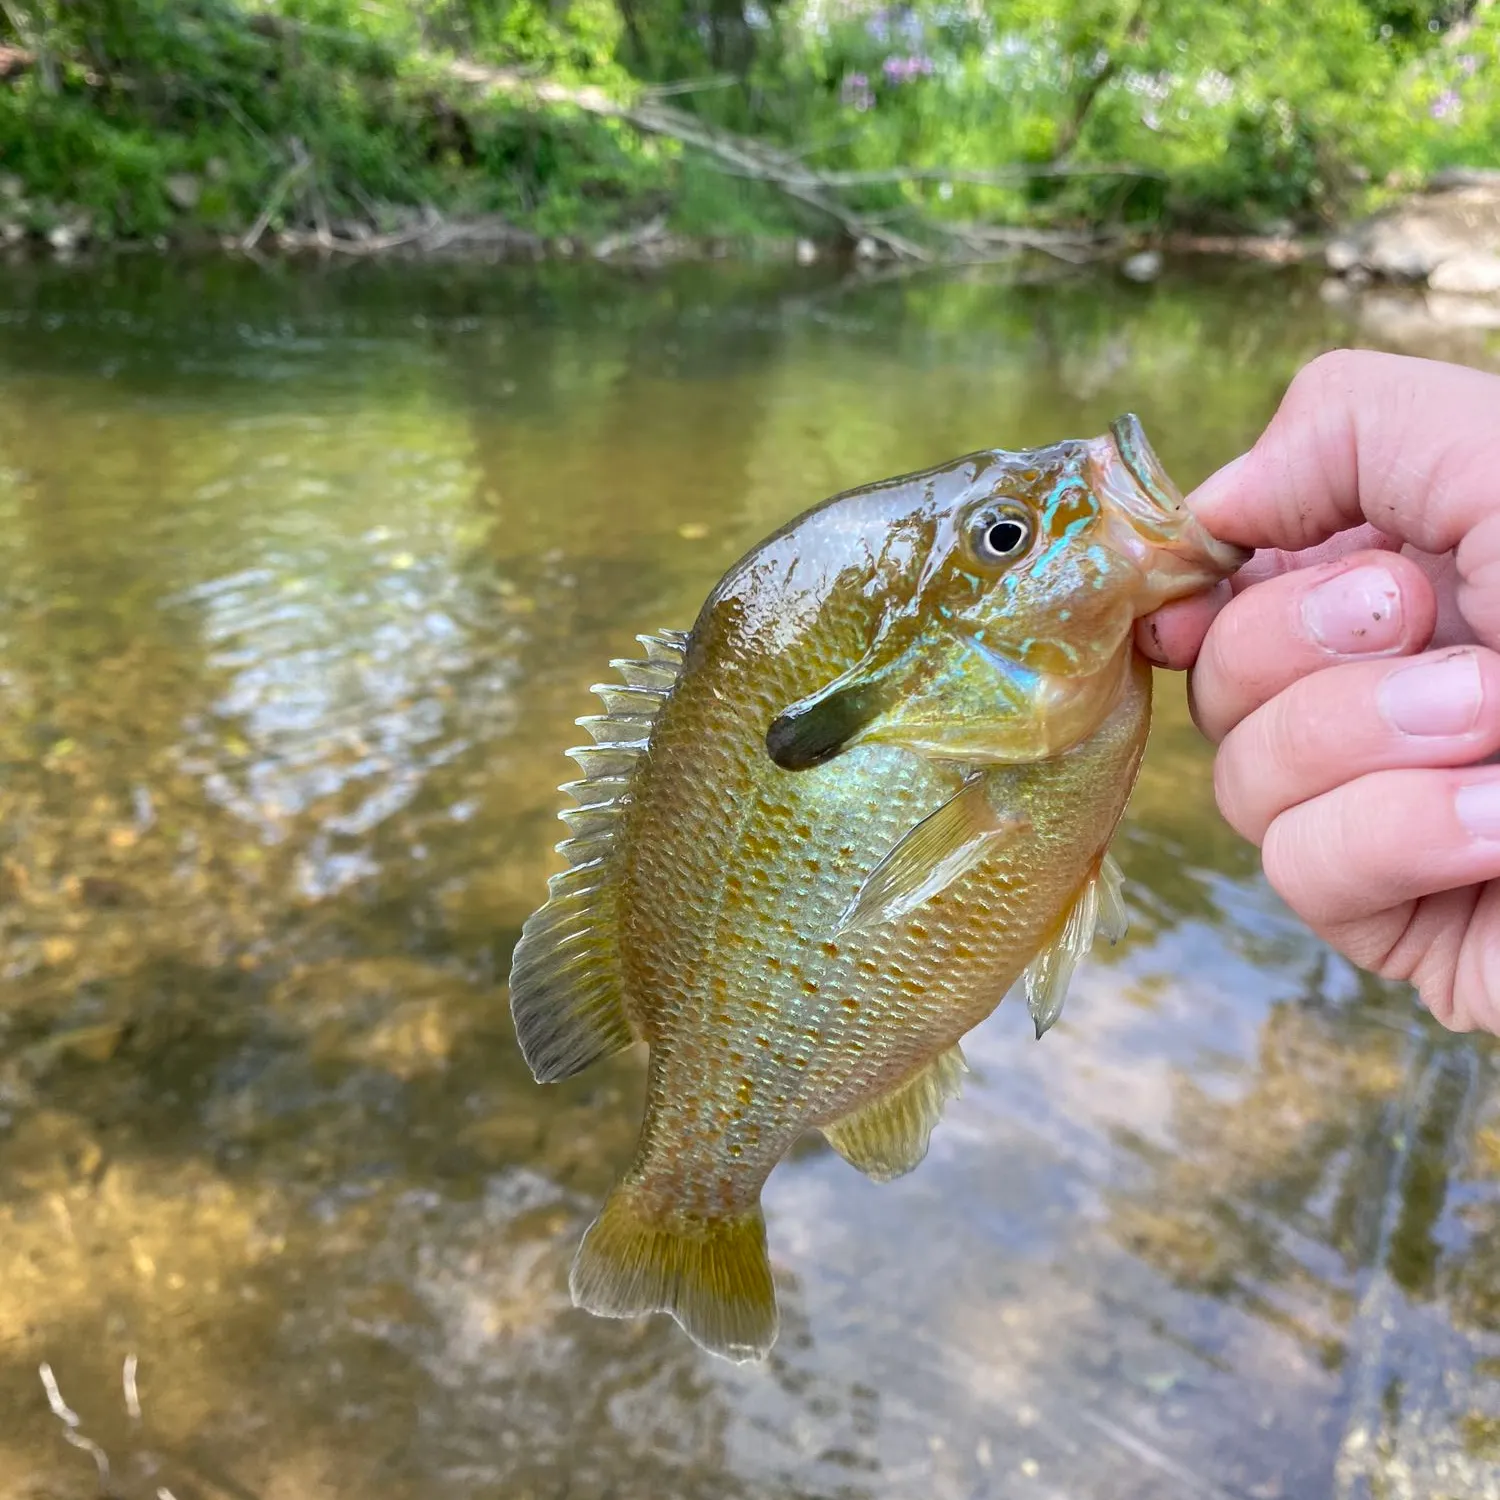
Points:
566	990
1098	909
945	845
889	1136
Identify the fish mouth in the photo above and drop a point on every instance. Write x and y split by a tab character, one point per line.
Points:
1140	459
1168	541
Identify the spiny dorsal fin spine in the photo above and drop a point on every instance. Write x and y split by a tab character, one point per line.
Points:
652	676
617	731
666	646
628	699
605	762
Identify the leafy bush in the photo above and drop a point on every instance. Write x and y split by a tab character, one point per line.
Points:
1211	112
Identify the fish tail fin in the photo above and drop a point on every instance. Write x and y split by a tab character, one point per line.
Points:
712	1275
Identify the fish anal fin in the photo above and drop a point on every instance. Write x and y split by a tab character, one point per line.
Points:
566	986
712	1275
888	1136
944	846
1098	909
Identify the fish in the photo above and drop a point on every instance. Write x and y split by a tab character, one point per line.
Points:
819	836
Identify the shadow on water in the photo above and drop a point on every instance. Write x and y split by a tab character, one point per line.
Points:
306	575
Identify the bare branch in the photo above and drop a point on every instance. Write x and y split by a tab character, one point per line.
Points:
301	164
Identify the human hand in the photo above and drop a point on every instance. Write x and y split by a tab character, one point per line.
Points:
1350	673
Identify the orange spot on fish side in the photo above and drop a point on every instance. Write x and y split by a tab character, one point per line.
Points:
809	987
763	1041
746	1091
803	831
736	1057
917	931
850	1005
773	963
736	1150
831	949
815	865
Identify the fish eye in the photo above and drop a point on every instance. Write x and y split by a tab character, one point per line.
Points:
1000	534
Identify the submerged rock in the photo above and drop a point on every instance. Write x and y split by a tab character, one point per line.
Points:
1143	267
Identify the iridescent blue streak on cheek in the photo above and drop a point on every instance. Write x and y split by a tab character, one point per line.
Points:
1095	562
1066	489
1016	683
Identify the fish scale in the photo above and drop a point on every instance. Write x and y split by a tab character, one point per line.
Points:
823	833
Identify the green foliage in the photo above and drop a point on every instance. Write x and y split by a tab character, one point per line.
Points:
1222	113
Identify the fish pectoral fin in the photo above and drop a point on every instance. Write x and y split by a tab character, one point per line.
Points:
1114	920
712	1275
566	988
945	845
1098	909
889	1136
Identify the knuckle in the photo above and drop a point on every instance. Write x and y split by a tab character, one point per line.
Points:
1235	788
1439	995
1296	727
1319	378
1281	857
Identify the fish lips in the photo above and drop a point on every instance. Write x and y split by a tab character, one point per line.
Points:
1183	556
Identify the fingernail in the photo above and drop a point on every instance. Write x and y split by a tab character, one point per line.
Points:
1478	809
1355	613
1434	698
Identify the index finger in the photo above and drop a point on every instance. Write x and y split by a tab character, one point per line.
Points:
1173	634
1411	446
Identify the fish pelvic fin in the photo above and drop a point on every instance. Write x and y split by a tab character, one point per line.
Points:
889	1136
1097	910
943	847
567	991
712	1275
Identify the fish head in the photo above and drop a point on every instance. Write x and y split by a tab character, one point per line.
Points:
1006	621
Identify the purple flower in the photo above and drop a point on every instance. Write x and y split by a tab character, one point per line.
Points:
1468	64
856	92
903	69
1445	105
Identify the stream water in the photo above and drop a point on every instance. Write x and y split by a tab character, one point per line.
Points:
304	575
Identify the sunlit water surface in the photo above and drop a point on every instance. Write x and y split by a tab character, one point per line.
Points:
304	576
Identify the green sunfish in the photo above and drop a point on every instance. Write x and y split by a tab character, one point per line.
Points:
821	834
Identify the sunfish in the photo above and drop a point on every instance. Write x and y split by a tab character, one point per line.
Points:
820	835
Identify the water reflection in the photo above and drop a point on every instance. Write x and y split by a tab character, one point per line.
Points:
306	575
